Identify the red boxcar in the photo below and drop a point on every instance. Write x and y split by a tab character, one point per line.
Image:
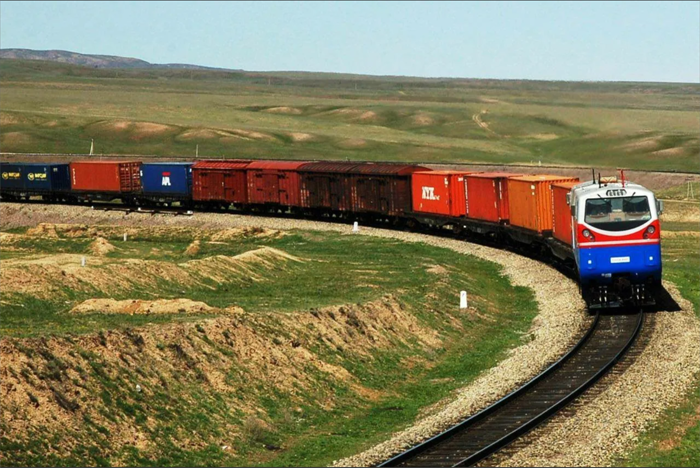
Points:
561	227
106	176
487	196
382	188
220	181
530	200
440	192
327	185
274	182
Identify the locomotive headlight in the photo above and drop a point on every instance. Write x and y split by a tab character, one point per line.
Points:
651	229
587	234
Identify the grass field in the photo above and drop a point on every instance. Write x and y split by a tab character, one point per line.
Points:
49	107
213	408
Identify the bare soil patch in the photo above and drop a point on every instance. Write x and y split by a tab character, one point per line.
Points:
284	110
136	306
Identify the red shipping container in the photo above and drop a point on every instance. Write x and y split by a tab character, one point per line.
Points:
487	196
440	192
562	227
530	200
382	188
274	182
106	176
223	181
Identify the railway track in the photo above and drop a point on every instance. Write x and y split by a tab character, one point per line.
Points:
486	432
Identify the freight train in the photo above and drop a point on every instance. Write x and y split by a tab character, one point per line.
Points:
607	230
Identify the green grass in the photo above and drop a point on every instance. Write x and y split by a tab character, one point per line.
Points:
61	108
314	427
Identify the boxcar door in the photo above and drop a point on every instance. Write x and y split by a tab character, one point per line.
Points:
272	185
213	185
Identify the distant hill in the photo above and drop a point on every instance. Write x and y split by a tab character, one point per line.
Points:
94	61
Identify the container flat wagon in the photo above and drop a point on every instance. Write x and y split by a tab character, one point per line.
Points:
23	180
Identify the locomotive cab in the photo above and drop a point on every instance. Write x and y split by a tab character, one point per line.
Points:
617	243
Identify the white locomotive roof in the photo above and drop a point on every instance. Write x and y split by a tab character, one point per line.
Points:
586	189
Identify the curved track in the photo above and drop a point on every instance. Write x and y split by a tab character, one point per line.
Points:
483	434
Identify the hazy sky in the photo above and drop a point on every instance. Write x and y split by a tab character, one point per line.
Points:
609	41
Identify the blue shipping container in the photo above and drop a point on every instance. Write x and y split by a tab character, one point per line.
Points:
167	179
35	177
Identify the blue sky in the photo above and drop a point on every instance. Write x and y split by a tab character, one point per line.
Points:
600	41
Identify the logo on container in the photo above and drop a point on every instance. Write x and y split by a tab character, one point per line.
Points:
429	194
36	176
166	180
10	175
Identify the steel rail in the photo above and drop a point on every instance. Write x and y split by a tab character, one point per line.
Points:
497	441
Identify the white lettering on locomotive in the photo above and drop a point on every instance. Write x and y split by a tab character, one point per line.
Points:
615	193
166	181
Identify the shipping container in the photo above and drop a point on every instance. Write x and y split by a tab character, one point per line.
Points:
530	201
382	188
34	178
274	182
167	179
561	222
440	192
106	176
220	181
487	196
327	185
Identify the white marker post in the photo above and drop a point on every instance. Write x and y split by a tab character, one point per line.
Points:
463	300
356	227
124	237
82	261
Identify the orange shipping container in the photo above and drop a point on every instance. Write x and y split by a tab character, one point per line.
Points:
487	196
561	227
530	201
439	192
106	176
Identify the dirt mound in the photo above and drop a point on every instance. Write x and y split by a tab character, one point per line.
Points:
101	247
202	134
249	265
49	276
138	129
54	385
135	306
151	129
251	134
283	110
43	230
239	233
7	238
298	137
194	248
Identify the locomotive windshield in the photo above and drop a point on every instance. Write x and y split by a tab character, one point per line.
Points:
617	214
